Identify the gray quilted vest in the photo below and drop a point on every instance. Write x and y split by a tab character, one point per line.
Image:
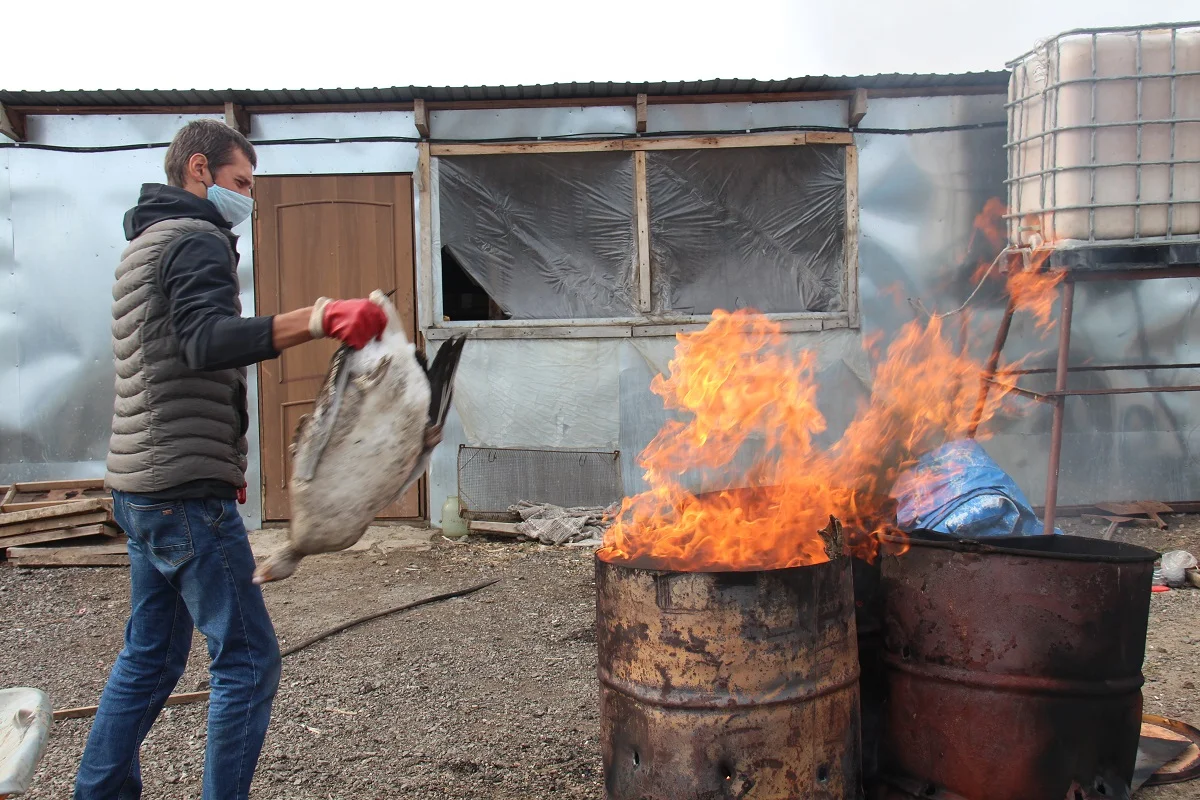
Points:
171	425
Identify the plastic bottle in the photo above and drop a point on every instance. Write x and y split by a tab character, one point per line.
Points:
453	526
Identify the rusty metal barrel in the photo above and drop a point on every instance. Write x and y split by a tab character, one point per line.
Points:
1014	665
728	684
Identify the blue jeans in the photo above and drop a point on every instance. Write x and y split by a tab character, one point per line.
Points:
190	564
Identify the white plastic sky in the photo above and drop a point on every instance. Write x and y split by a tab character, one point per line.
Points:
177	44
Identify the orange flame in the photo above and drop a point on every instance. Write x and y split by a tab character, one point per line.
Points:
741	389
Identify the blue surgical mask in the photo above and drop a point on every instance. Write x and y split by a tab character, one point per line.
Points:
234	207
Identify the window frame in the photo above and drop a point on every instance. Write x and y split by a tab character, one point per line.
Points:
645	323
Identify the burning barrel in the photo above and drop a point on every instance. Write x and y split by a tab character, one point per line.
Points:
1013	666
728	684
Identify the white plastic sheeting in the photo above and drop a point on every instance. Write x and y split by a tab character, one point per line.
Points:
761	228
547	236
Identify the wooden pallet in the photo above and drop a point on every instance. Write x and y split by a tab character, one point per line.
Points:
75	525
42	494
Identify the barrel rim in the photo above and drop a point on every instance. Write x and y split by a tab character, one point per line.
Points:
1118	552
839	560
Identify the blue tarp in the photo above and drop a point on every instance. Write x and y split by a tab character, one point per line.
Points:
957	489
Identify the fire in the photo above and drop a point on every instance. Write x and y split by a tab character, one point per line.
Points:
740	387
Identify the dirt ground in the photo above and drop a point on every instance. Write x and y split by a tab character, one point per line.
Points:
492	695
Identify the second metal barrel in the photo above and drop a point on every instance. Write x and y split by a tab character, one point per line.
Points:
1014	666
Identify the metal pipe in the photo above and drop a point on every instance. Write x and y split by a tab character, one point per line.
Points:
1124	390
1100	368
1060	385
989	371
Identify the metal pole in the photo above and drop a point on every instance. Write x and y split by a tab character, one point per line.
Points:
989	372
1060	403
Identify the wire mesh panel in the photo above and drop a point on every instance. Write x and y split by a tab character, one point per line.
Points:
1104	137
493	479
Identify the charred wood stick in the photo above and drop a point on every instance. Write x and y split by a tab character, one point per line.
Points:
199	697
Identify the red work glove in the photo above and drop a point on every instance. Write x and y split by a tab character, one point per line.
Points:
354	322
241	495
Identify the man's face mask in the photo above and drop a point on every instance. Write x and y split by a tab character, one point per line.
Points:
234	207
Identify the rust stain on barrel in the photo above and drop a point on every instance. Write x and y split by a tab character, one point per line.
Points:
728	685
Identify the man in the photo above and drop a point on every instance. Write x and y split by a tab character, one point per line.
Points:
177	461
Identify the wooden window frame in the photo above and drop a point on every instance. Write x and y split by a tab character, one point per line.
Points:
646	324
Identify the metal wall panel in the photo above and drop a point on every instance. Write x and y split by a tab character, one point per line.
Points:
744	116
531	122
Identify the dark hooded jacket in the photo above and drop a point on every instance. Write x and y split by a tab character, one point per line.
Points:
181	347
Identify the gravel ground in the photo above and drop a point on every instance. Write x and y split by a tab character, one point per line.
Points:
493	695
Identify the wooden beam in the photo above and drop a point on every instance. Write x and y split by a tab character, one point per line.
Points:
421	118
105	555
51	486
53	523
12	123
641	113
494	528
425	292
642	204
237	118
59	535
858	107
68	508
851	244
633	145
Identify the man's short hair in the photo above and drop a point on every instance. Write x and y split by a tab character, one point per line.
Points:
210	137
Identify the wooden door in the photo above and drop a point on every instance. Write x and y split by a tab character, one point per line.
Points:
338	236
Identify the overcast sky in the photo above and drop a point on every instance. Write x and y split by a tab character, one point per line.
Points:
355	43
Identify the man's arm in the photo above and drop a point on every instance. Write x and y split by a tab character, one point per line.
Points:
200	287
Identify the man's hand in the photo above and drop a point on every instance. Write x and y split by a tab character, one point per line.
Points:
354	322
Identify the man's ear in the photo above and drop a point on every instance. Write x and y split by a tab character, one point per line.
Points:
197	165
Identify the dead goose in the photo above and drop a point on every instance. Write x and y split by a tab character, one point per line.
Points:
369	438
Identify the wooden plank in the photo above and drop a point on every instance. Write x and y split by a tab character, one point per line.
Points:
52	523
662	143
83	712
851	243
671	329
85	484
565	146
425	298
642	203
421	118
9	493
26	506
540	332
68	508
60	535
12	123
108	555
494	528
719	142
858	107
640	114
237	118
830	137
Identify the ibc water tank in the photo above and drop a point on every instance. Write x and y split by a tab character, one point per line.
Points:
1104	137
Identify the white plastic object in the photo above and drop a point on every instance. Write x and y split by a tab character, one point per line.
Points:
25	718
1175	565
453	526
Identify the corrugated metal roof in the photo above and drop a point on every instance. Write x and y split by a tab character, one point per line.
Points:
554	91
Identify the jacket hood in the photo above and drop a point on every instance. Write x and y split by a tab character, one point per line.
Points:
159	202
